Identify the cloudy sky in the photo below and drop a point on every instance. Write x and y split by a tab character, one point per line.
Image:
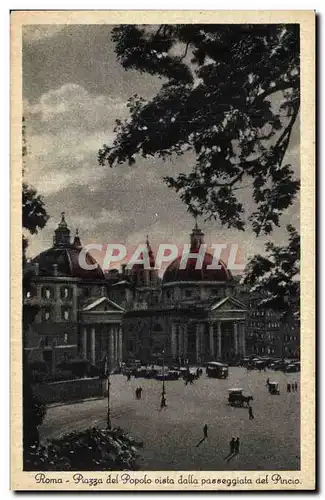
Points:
74	89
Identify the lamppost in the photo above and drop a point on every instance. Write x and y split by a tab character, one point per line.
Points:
285	317
163	383
107	373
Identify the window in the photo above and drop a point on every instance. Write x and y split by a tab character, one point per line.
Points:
46	314
188	293
48	356
47	293
65	292
65	313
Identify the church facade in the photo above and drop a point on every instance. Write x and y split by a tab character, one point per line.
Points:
190	315
75	317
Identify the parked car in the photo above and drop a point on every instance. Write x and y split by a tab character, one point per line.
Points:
244	361
293	368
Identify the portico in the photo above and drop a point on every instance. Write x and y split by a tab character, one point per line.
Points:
101	332
218	335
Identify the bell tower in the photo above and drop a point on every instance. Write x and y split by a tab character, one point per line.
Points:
77	241
197	237
62	233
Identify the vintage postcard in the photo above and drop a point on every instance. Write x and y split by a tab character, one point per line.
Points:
163	192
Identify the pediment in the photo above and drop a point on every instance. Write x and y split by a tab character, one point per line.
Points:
104	305
228	304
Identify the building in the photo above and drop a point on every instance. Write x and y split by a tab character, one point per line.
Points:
192	314
75	317
267	334
189	314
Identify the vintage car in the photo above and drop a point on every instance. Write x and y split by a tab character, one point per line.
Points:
173	374
217	370
293	368
140	372
167	375
244	362
237	398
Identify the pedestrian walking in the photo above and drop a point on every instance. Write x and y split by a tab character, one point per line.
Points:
288	388
296	386
250	413
268	382
293	387
232	446
205	431
140	392
163	401
237	445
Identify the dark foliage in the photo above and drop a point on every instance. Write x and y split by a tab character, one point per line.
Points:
90	450
215	100
277	275
34	217
33	411
80	368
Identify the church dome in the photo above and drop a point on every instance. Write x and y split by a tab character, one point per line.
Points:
175	271
63	258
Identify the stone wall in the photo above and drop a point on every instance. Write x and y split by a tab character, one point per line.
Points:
71	390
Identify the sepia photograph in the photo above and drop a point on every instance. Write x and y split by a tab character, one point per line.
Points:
160	251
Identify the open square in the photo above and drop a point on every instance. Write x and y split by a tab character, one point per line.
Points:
171	436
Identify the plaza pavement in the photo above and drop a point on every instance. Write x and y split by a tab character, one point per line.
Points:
170	436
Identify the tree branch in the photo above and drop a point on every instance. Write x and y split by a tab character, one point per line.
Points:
185	53
277	88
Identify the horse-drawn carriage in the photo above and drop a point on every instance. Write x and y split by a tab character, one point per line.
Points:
237	398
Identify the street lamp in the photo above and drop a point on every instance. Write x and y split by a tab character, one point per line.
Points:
107	373
163	384
286	319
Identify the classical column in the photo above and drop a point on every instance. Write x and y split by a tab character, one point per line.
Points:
93	345
236	338
242	339
211	333
184	342
174	341
219	352
111	346
202	342
198	342
84	342
116	343
53	367
120	332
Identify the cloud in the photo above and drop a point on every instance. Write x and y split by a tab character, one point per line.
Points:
36	32
72	108
83	55
74	90
65	129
